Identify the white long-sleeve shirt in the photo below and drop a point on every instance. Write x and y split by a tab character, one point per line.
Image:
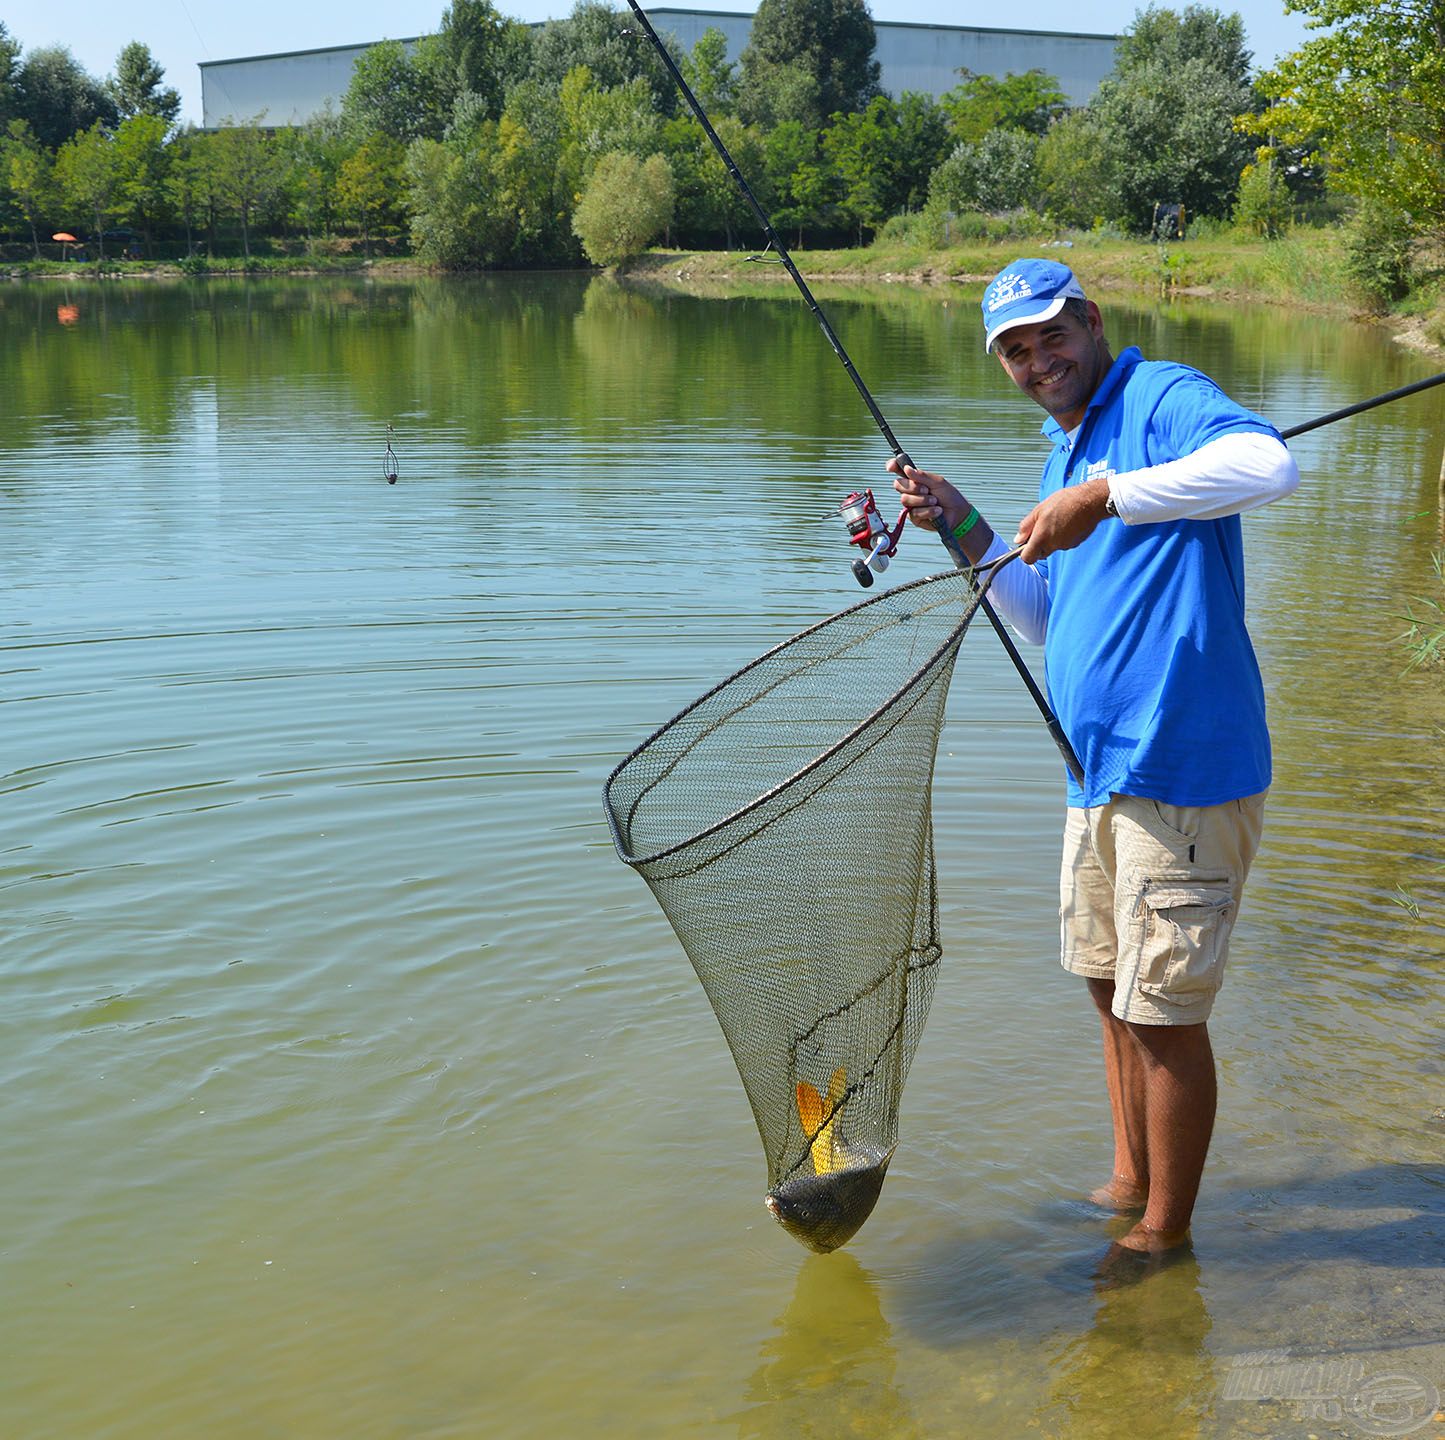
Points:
1228	476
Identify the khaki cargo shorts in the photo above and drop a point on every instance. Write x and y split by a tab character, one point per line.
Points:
1148	897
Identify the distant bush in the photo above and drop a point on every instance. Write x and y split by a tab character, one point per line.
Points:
993	174
910	228
627	204
1262	205
1206	227
1379	254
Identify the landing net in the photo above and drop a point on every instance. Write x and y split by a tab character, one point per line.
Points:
784	823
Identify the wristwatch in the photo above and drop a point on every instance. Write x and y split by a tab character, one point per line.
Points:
1109	507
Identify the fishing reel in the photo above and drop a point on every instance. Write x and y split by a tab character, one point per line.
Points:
867	531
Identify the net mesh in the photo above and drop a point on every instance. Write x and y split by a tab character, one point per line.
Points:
784	824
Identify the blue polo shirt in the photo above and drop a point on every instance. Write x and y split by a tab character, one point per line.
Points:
1149	665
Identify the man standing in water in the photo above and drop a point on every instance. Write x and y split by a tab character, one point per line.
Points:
1134	583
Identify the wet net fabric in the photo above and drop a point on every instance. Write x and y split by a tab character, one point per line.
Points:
784	824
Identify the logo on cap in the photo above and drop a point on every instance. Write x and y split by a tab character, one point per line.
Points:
1008	288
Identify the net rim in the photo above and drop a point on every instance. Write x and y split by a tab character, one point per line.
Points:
925	668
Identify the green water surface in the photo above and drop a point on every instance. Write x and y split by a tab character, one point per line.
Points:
353	1088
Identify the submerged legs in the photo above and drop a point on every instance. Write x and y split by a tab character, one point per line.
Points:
1162	1095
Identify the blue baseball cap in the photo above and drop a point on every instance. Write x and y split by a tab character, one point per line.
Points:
1025	293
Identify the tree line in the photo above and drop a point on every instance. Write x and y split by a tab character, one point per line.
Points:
492	143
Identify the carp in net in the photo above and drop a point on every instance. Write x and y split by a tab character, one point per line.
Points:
784	824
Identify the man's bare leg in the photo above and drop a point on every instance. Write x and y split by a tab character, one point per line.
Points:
1180	1095
1124	1074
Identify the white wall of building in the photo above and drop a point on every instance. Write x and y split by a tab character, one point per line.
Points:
284	89
289	89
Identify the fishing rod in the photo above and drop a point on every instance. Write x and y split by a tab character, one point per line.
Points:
1370	404
883	541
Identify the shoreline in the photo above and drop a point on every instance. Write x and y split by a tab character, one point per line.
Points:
715	272
1302	271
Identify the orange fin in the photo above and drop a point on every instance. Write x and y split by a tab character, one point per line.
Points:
826	1153
810	1108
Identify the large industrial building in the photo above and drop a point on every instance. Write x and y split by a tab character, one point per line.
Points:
289	89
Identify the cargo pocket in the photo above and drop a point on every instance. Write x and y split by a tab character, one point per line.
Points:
1186	928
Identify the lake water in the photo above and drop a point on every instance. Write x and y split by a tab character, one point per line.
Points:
354	1088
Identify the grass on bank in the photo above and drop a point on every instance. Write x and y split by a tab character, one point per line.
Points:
1305	267
1309	267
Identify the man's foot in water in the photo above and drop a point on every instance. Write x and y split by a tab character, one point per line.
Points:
1121	1266
1121	1195
1145	1240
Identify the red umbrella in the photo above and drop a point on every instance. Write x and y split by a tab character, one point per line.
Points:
65	239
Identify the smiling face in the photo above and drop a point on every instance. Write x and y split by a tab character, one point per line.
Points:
1058	363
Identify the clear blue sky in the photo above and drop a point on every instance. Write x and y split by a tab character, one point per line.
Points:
182	33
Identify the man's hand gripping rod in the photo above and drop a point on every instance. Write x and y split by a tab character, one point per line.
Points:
950	544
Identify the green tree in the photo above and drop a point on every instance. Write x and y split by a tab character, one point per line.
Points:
1380	253
710	73
688	152
490	194
1068	170
980	103
537	109
808	60
1372	92
862	148
89	178
368	184
626	205
191	183
135	88
529	178
884	155
797	176
723	205
444	199
320	148
524	188
1160	36
29	175
594	35
1164	119
9	74
596	120
59	97
476	52
245	172
922	145
143	162
392	94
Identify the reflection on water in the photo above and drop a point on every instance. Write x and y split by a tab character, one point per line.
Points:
355	1089
831	1366
1144	1354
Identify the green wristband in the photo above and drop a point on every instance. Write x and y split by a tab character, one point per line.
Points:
966	524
